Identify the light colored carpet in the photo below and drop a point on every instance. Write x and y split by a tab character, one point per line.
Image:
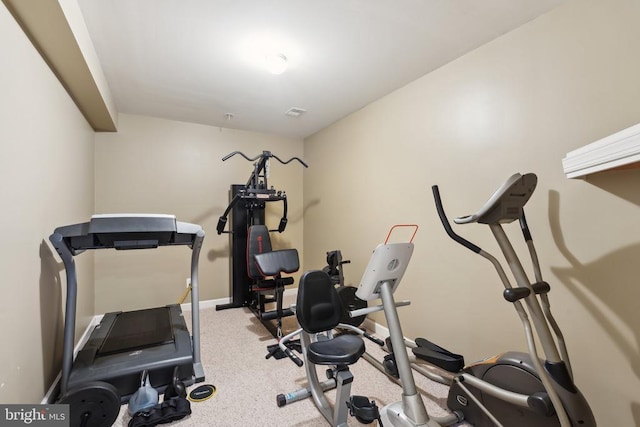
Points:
233	356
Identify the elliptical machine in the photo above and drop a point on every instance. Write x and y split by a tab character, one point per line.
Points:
382	276
513	388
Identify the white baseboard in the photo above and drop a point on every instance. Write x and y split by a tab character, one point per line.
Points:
206	304
380	331
213	302
376	328
52	393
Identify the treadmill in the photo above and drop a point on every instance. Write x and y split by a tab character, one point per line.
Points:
125	344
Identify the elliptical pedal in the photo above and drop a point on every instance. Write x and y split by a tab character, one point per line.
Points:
436	355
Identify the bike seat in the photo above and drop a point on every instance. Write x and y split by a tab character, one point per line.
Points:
341	350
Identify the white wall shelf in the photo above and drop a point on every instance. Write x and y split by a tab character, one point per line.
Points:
622	149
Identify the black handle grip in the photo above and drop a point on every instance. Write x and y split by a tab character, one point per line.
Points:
516	294
525	228
445	223
228	156
541	288
222	222
374	339
283	220
293	357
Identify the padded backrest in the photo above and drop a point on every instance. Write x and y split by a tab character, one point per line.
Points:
258	242
318	307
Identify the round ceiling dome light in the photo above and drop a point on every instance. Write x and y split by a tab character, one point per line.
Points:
276	63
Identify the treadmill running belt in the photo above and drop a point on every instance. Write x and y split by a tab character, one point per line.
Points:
135	330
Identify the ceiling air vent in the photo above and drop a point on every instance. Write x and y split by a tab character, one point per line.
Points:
295	112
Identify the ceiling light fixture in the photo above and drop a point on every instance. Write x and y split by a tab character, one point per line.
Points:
295	112
276	63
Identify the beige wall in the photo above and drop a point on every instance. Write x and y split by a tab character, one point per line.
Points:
46	175
161	166
518	104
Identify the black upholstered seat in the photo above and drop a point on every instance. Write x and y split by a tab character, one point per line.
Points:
341	350
277	262
263	261
319	309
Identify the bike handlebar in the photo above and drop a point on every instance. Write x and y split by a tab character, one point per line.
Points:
293	357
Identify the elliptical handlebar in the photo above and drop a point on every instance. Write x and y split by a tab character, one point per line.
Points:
447	226
265	155
525	228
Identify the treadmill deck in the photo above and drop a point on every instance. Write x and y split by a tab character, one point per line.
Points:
126	343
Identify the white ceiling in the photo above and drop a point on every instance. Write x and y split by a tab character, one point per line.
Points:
197	60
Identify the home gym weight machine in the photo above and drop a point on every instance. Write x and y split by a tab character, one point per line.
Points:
107	370
249	236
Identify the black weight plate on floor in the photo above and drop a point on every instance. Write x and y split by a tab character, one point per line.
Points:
351	302
93	404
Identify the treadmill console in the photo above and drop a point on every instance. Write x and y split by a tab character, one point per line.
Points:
127	231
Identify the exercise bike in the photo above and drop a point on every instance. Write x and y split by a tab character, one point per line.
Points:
513	388
319	310
382	276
